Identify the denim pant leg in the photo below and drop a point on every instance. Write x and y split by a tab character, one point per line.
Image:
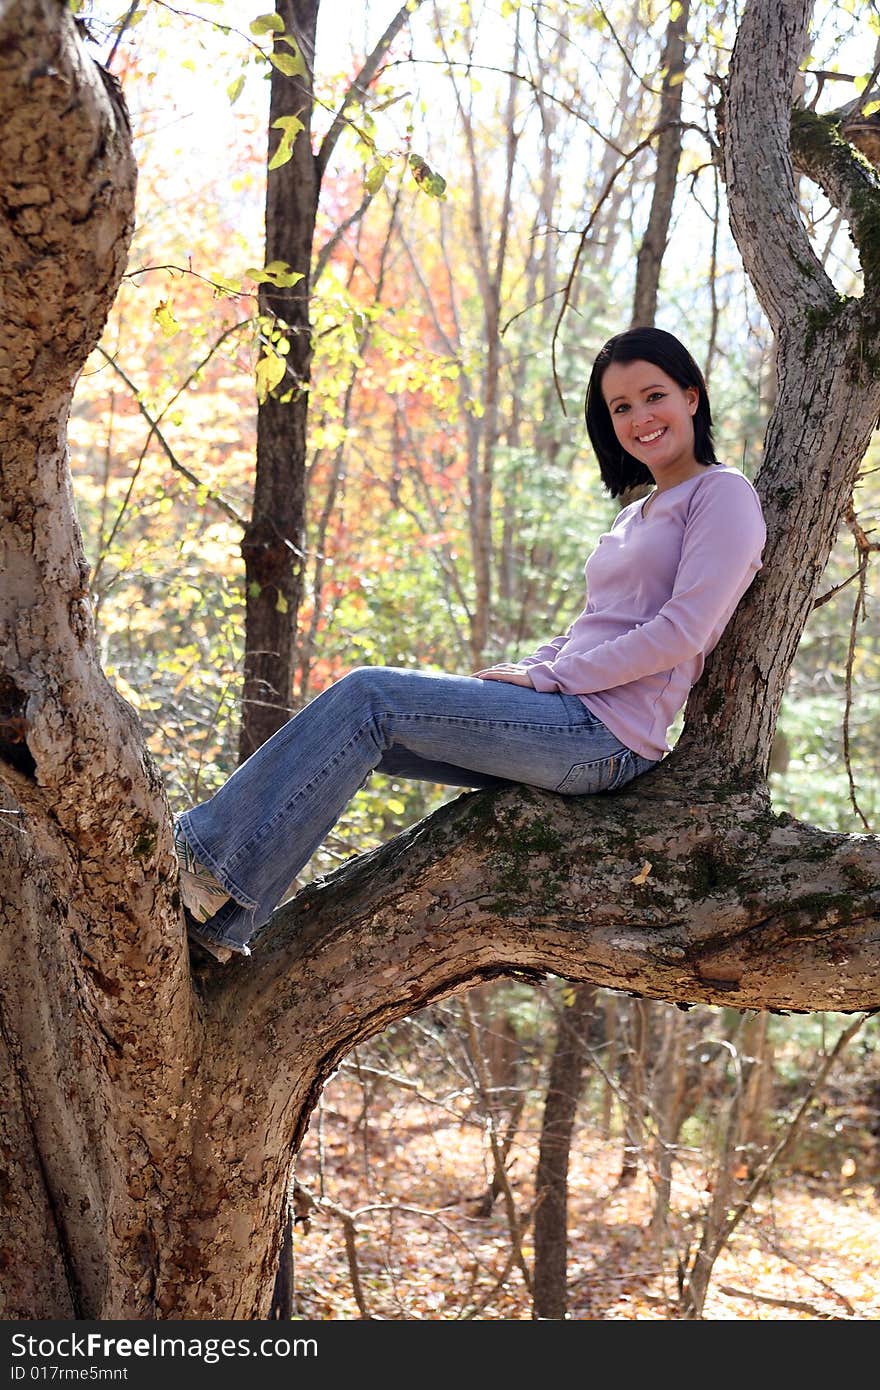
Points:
264	824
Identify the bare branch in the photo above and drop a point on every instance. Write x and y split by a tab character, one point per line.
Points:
360	84
155	431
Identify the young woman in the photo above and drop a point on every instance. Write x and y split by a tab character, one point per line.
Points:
585	713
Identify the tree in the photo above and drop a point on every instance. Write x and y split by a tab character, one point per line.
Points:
149	1114
274	538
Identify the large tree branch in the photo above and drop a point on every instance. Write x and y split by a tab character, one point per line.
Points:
760	188
849	182
828	387
666	889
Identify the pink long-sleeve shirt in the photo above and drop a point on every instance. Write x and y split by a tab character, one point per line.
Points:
661	588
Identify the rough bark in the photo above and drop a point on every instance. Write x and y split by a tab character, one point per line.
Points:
150	1115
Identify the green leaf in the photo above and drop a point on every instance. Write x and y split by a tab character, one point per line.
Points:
428	181
281	604
254	589
375	177
266	22
291	64
234	89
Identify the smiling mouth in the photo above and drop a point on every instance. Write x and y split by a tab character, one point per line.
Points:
649	438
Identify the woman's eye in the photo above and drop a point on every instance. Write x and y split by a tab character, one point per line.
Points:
655	396
619	408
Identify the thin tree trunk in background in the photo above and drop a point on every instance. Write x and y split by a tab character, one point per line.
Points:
653	247
489	266
307	643
668	1084
549	1282
649	265
627	108
272	547
494	1053
274	540
757	1050
637	1033
611	1025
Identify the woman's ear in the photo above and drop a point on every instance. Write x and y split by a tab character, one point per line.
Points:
693	398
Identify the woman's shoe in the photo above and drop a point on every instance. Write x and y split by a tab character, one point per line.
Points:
201	893
202	945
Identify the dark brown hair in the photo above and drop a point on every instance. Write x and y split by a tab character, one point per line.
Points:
619	469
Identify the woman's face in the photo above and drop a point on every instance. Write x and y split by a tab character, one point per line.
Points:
653	419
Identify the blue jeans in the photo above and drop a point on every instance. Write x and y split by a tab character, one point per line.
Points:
267	820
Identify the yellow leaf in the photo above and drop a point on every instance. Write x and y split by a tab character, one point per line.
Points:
290	127
269	371
165	319
643	872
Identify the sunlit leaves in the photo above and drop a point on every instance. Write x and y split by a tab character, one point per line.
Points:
427	179
267	23
377	173
290	127
164	317
276	273
291	64
269	372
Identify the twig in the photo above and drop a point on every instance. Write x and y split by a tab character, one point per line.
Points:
501	1175
120	31
789	1259
829	593
360	84
609	184
864	548
153	422
196	275
785	1142
799	1304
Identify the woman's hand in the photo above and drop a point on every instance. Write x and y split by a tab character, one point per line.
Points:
506	671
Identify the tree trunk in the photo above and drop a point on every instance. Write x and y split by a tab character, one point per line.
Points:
667	1091
638	1032
549	1282
150	1113
653	247
274	540
272	546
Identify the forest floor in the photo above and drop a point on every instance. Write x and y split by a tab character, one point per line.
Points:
396	1234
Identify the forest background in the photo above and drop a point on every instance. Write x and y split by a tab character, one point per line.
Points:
493	187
